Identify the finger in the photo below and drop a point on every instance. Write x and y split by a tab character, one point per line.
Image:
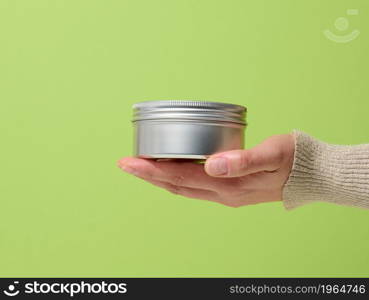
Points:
177	173
185	191
265	157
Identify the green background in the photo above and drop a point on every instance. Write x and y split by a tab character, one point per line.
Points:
69	73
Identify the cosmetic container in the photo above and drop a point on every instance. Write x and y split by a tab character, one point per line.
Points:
183	129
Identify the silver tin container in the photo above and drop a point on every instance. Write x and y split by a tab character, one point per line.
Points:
187	129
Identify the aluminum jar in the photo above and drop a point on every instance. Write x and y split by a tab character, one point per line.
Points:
187	129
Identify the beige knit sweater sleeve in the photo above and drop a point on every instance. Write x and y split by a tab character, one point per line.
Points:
330	173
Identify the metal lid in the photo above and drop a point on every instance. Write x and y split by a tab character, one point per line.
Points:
189	110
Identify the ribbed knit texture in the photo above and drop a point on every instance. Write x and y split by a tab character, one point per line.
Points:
330	173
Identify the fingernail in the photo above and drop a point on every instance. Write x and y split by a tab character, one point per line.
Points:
129	169
218	166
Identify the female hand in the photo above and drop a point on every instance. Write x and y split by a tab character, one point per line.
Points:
233	178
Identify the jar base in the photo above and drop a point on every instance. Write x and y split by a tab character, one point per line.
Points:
174	156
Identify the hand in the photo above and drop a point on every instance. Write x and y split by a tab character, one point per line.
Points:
234	178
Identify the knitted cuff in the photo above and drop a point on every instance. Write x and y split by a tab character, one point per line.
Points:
330	173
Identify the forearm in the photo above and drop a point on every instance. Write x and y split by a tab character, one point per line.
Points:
330	173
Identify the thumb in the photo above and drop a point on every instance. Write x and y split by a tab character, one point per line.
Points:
238	163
